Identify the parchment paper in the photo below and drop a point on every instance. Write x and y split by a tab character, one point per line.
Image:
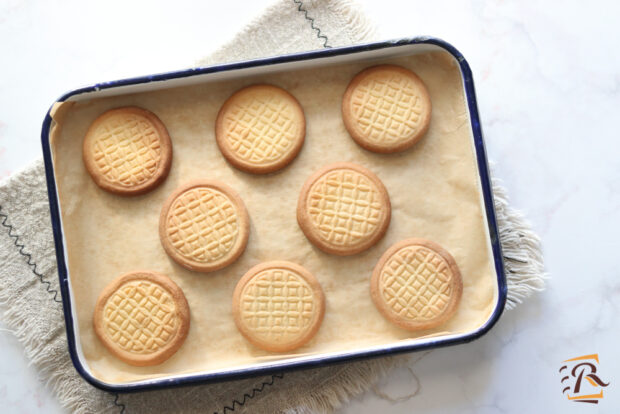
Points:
434	189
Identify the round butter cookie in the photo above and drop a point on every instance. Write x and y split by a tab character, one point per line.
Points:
386	108
260	129
278	306
343	209
204	225
127	151
416	284
142	318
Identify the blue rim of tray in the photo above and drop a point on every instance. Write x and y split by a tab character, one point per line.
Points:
240	373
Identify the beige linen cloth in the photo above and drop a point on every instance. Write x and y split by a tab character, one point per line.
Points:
29	295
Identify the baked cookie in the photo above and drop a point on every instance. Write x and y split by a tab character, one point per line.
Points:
142	318
278	306
127	151
204	225
343	209
260	129
386	108
416	284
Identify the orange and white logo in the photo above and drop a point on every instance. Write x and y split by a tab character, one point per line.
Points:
581	381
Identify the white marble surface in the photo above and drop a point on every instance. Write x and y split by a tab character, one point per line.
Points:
548	84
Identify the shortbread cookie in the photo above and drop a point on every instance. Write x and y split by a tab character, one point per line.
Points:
127	151
142	318
260	129
386	108
204	225
416	284
343	209
278	306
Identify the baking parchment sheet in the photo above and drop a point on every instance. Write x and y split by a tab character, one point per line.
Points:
434	189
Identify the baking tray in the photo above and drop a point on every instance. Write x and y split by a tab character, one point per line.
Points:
367	52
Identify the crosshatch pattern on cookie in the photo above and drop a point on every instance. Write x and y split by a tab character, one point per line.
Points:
416	283
262	127
387	107
278	304
345	207
140	317
203	224
127	149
